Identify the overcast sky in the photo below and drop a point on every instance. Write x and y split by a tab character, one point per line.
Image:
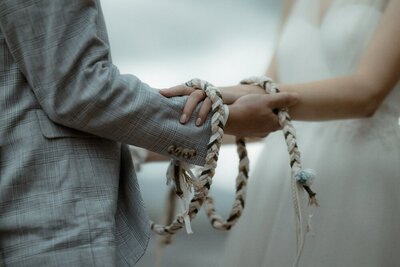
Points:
169	42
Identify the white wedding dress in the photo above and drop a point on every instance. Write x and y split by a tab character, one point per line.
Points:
357	161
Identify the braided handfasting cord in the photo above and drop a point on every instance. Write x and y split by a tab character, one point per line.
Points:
241	188
304	177
180	174
301	178
241	185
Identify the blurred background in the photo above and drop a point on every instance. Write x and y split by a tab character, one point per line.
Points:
166	43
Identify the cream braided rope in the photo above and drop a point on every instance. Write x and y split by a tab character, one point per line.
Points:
185	182
183	178
301	179
241	188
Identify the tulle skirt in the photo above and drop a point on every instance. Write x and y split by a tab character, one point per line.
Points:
358	189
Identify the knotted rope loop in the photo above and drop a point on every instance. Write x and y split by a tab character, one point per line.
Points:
186	184
241	188
241	180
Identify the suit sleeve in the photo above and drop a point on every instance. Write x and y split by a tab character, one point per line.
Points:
62	50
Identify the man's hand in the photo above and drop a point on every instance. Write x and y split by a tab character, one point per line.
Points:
252	115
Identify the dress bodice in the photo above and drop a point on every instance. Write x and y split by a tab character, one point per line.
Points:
313	49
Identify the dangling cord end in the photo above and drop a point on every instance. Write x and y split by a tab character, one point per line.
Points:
188	224
173	167
312	200
184	200
185	187
306	177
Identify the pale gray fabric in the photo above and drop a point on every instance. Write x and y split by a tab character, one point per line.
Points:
68	190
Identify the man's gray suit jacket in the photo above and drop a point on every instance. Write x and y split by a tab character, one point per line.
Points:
68	191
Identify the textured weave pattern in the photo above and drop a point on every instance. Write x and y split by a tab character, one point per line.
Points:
181	174
299	179
68	190
241	188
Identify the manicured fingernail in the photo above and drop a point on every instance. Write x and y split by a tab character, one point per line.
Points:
183	118
198	122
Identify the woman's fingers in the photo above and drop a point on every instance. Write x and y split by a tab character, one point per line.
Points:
178	90
195	97
203	113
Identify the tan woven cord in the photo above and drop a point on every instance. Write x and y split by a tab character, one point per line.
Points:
185	182
301	179
181	175
241	188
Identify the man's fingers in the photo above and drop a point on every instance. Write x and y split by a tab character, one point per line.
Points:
204	110
282	100
178	90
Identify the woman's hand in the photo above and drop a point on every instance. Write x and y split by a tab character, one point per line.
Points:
229	95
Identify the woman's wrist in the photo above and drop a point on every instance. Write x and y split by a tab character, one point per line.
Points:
231	93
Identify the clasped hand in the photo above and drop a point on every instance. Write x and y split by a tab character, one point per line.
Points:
251	110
